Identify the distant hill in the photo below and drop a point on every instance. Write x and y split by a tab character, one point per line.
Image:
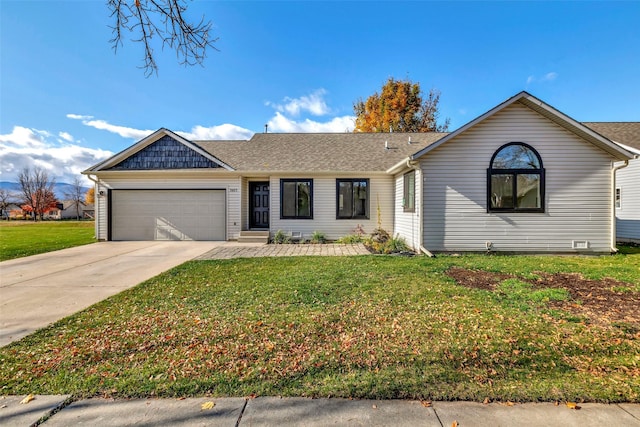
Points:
59	188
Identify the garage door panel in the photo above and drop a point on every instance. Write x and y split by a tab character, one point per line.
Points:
168	215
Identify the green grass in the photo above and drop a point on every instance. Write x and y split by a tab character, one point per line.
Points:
363	327
24	238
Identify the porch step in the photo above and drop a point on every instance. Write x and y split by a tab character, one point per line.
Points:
250	236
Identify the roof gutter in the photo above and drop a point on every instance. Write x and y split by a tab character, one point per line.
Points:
615	169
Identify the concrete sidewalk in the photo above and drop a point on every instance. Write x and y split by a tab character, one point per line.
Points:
38	290
274	411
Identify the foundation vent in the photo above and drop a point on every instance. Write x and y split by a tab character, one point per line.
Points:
580	244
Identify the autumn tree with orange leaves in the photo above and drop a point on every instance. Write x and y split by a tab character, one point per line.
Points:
90	196
399	107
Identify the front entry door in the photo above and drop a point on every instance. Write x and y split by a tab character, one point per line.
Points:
259	204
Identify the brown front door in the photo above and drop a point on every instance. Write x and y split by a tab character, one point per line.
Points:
259	204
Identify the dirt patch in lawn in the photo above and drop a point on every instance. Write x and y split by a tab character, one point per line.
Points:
602	301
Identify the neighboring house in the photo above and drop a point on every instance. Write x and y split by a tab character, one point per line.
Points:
13	211
88	211
69	210
627	185
53	212
522	177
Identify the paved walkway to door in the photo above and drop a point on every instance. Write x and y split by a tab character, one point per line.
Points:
250	250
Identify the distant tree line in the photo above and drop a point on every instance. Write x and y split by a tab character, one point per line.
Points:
36	196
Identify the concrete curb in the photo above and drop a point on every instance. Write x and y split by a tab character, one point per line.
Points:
276	411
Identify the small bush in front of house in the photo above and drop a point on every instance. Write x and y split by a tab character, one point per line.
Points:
351	238
281	238
381	242
318	237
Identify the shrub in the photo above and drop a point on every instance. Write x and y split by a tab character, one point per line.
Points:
318	237
381	242
351	238
281	237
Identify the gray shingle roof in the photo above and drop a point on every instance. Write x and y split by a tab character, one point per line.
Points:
297	152
627	133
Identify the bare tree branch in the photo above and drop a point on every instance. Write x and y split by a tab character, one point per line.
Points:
75	194
164	20
6	198
36	189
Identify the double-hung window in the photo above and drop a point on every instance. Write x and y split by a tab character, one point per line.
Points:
296	199
352	198
409	192
515	180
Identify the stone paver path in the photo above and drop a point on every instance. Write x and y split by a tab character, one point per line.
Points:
249	250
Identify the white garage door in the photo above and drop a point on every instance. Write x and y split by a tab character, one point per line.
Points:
168	215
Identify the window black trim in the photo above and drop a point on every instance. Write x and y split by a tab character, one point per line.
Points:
514	173
411	175
297	180
368	205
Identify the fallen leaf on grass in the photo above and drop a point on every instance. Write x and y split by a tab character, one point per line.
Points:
572	405
486	401
27	399
207	405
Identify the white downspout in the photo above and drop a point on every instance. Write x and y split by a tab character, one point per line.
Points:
96	226
415	166
615	169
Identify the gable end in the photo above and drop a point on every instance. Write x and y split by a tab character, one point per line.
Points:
165	153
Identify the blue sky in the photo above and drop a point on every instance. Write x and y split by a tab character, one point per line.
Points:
68	101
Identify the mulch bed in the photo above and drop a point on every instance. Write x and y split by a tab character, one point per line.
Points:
595	299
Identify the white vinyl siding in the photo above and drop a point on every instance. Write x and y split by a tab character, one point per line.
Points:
578	204
407	224
324	207
628	215
231	185
100	205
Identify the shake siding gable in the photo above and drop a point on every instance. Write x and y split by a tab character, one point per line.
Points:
628	215
324	207
577	200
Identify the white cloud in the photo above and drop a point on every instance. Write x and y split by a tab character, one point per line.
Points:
549	77
225	131
79	117
198	132
66	136
280	123
25	147
123	131
313	103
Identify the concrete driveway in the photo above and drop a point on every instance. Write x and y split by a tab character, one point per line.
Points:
38	290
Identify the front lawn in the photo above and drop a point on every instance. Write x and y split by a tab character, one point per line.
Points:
517	328
24	238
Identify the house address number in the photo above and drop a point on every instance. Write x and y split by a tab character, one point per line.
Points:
233	190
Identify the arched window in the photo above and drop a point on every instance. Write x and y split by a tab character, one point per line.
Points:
515	180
